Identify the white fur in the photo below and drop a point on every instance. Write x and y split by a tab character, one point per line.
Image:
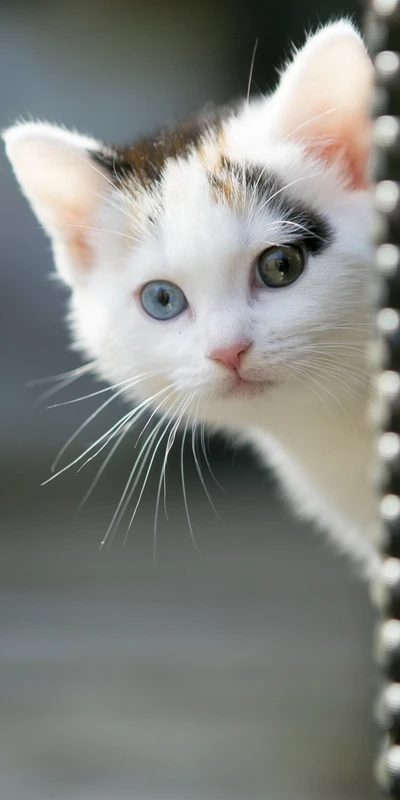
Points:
311	426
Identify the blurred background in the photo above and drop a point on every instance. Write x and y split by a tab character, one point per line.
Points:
240	674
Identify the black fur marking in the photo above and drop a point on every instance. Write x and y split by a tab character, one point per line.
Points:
318	234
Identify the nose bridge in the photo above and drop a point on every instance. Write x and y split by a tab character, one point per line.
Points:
225	326
227	336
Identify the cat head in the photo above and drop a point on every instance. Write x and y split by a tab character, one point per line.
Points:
215	262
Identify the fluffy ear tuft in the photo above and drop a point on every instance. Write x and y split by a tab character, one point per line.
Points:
57	174
324	98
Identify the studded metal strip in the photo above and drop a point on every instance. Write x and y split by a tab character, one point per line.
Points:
382	30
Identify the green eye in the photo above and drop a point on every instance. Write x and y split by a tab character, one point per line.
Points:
280	266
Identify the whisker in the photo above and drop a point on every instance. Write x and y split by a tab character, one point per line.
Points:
294	374
125	423
337	376
192	536
287	186
137	379
299	227
150	419
109	201
126	429
154	453
77	372
66	379
309	121
198	467
103	230
335	361
253	58
128	489
55	389
87	422
100	172
129	418
204	447
88	449
100	439
80	429
325	389
162	482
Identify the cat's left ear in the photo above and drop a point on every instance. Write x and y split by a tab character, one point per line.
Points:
324	100
58	172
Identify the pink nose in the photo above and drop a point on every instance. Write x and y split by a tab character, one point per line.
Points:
230	356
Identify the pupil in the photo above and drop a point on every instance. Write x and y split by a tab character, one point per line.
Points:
163	297
283	265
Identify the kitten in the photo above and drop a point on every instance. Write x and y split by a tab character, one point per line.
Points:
222	270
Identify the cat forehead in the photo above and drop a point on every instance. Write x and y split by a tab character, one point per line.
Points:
208	193
213	204
197	226
216	171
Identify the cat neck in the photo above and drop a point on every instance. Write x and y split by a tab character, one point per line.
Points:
320	443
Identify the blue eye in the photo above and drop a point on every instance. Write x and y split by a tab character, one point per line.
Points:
163	300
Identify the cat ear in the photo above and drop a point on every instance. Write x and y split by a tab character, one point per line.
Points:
64	185
324	99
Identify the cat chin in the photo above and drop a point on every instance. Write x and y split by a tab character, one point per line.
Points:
238	386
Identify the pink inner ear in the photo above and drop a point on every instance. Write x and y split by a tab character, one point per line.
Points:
81	250
324	101
349	152
76	226
340	136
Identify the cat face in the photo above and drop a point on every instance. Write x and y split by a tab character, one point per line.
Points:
217	263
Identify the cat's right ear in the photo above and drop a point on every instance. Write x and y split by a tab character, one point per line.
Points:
64	184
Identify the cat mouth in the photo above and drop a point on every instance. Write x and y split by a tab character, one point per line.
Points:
247	387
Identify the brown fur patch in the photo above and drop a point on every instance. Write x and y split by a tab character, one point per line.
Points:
225	181
223	188
146	159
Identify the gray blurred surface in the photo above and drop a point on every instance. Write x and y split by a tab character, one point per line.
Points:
243	673
240	674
